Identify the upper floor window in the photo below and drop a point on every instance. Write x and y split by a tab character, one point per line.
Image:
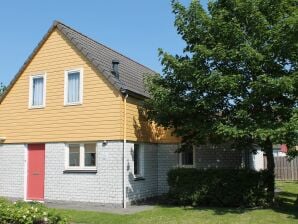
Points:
37	91
73	92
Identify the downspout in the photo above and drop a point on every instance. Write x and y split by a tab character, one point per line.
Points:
124	150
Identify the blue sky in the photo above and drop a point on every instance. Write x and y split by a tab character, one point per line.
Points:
136	28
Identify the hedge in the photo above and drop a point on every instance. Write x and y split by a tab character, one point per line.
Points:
218	187
28	213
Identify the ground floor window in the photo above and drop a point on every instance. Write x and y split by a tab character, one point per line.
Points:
138	160
80	156
187	158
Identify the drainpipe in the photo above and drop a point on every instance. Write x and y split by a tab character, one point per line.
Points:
124	151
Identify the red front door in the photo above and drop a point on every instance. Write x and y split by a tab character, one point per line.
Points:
35	178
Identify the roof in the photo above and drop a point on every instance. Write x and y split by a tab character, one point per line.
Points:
131	73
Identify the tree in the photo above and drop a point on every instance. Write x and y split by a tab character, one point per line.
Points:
237	80
2	88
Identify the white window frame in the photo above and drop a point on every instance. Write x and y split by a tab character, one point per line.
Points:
193	161
82	157
141	161
30	104
66	72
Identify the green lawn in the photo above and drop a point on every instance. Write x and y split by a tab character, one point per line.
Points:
285	213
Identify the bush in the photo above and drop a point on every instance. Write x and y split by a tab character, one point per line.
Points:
28	213
218	187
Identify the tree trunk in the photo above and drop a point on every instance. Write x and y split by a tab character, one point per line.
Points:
268	148
247	154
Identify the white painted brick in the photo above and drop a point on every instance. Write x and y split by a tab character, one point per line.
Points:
148	187
12	163
103	187
167	160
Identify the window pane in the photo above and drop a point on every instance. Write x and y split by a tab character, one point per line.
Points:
74	155
187	157
136	159
90	154
73	87
37	88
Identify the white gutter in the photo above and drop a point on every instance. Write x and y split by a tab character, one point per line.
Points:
124	152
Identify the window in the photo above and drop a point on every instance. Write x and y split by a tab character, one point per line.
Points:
74	155
138	159
187	158
90	155
37	91
81	156
73	89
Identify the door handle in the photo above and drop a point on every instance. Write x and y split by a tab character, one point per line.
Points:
35	174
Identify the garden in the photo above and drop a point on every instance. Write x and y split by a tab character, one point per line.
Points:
285	210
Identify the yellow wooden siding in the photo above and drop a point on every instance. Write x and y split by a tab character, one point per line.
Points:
139	129
98	118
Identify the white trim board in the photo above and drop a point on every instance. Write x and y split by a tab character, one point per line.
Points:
25	171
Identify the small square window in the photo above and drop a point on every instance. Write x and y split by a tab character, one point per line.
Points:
187	158
81	156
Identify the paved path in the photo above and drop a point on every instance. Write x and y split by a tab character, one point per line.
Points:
84	206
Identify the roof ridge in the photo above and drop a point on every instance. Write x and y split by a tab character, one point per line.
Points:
56	22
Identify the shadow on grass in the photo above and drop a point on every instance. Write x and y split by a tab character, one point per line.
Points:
221	211
286	203
286	194
165	202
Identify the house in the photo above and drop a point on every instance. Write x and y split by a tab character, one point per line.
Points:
72	128
280	150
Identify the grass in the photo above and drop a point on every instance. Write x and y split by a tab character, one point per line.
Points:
285	212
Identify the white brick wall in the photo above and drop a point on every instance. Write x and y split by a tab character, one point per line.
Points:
12	163
204	158
139	189
167	159
105	186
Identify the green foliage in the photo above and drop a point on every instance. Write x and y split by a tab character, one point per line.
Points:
28	213
218	187
237	80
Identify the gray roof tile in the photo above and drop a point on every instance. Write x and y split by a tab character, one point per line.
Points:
100	56
131	73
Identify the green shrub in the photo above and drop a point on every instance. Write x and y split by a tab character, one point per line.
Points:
28	213
218	187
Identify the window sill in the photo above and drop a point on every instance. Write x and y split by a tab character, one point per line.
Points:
138	178
187	166
80	171
36	107
72	104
